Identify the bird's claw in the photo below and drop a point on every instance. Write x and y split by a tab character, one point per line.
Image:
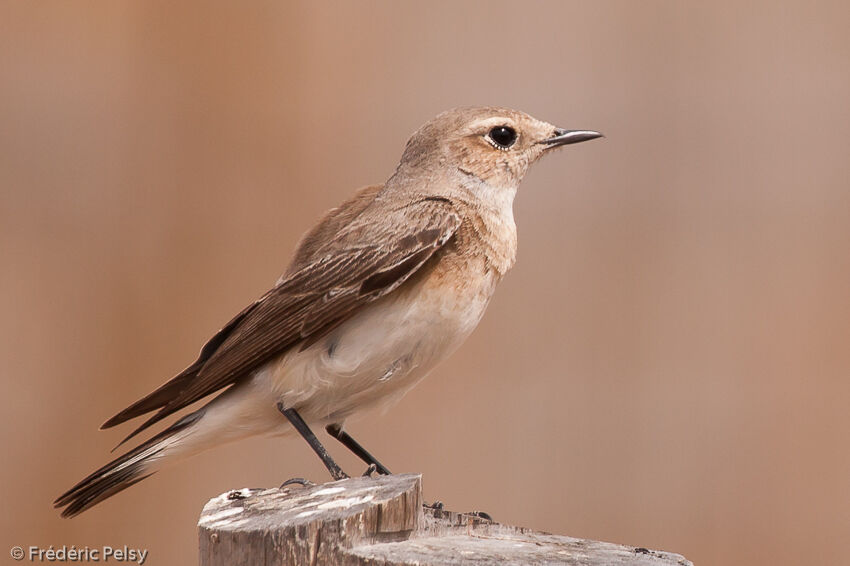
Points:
297	481
370	470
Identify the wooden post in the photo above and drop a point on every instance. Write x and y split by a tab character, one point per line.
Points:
382	521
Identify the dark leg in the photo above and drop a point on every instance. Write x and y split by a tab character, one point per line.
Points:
336	431
304	430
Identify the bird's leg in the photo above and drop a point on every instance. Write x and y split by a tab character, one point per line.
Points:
302	428
336	431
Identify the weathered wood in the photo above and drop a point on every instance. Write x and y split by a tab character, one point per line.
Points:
382	521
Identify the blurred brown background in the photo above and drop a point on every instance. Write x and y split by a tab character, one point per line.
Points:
667	365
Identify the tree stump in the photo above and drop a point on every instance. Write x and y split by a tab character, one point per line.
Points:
382	521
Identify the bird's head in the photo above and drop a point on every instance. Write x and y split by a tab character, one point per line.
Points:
491	144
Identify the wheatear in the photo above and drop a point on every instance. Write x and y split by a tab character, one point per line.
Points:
383	288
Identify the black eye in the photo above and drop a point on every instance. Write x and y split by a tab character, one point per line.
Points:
502	137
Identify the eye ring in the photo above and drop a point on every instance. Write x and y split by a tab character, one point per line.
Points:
501	137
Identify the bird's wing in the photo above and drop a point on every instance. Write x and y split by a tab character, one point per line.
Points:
368	261
322	234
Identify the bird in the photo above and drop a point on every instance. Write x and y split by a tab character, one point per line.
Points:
382	289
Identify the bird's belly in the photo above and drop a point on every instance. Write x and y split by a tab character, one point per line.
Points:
375	357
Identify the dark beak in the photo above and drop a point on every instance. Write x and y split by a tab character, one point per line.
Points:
564	137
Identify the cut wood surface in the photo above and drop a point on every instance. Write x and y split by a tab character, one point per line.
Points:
382	521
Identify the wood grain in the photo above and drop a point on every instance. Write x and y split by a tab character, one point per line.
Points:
382	521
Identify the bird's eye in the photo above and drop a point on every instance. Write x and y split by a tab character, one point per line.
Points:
502	137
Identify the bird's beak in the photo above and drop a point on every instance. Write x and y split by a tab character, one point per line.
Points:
564	137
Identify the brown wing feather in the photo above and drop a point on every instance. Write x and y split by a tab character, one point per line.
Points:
333	221
370	257
161	396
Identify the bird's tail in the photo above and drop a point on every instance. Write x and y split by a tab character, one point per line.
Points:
126	470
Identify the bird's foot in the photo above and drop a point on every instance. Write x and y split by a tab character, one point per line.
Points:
370	470
297	481
339	475
436	506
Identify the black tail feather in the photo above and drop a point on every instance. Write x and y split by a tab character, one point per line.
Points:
120	473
